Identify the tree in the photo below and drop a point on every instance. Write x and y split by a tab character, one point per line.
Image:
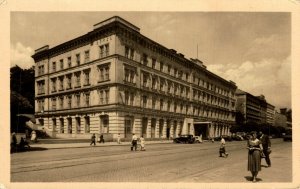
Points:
21	94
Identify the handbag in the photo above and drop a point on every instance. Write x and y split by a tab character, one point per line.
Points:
262	155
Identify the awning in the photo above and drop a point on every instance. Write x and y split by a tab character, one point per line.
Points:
31	117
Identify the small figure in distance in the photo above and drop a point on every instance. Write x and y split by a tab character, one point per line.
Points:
142	143
101	138
23	143
119	138
222	149
93	140
134	142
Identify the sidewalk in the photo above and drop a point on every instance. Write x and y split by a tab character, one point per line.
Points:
83	144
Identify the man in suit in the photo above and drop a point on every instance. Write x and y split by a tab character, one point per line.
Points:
266	144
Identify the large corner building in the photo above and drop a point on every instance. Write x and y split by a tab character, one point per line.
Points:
115	80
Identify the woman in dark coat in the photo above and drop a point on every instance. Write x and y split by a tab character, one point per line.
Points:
254	153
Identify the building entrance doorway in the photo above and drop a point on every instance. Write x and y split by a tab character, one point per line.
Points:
202	129
168	129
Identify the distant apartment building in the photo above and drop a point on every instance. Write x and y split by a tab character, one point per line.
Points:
270	114
254	108
115	80
280	120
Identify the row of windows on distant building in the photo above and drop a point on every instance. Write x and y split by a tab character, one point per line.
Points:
103	75
79	100
76	100
60	65
129	73
176	72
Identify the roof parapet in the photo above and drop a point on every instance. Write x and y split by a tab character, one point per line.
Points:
116	19
43	48
198	62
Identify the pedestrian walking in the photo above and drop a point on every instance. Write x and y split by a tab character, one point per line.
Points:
119	138
33	136
222	149
101	139
254	153
13	144
134	142
93	140
266	145
142	143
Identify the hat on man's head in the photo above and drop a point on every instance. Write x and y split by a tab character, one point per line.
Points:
252	132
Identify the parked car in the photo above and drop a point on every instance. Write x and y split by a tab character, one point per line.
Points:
237	138
184	139
227	138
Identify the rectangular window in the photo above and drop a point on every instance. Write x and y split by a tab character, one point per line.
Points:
153	102
78	83
103	72
145	80
86	56
69	81
87	77
161	85
161	66
101	97
69	102
61	83
131	98
87	99
127	52
106	73
61	64
54	104
87	124
78	100
161	106
132	54
144	59
107	96
54	85
53	66
169	106
153	63
144	101
126	97
78	59
154	83
175	72
69	62
104	50
169	69
61	102
41	87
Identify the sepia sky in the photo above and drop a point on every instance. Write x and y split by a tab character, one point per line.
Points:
251	49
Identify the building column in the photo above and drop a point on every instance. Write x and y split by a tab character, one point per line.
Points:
157	128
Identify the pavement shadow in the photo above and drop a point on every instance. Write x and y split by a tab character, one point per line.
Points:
265	166
249	178
29	149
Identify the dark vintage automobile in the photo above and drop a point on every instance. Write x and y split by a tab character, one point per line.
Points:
184	139
227	138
